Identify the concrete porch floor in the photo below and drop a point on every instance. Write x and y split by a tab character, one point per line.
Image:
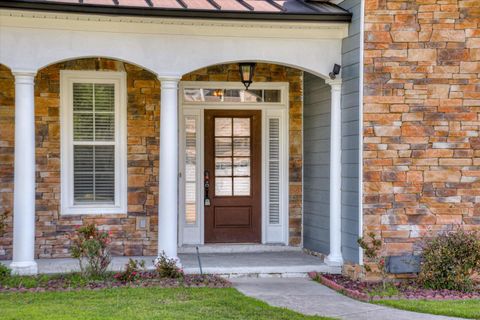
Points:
252	264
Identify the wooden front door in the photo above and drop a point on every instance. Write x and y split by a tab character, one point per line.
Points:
233	167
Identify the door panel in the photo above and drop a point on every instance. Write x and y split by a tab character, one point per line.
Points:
233	163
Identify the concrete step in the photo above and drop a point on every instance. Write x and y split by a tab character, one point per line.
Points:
237	248
257	264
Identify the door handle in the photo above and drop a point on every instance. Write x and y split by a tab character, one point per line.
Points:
206	186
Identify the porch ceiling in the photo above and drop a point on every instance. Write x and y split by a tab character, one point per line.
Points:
293	10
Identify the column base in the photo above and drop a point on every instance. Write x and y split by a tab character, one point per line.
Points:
24	268
334	260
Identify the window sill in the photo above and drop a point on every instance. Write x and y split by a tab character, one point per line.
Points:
93	210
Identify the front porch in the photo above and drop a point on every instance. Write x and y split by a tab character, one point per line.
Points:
165	155
226	261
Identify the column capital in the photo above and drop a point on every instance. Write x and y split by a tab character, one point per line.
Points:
169	81
24	76
24	73
334	82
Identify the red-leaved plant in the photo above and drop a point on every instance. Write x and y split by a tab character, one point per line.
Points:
133	271
90	247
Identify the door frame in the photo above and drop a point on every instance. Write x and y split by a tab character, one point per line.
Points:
195	233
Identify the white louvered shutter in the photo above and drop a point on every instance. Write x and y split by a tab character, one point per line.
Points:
274	170
93	143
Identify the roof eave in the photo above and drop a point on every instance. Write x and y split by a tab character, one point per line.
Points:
173	13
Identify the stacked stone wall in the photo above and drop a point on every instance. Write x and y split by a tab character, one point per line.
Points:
53	230
421	157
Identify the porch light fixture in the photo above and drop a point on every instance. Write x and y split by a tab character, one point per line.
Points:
247	70
335	71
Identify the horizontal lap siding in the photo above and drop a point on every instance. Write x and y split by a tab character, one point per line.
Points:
350	133
316	126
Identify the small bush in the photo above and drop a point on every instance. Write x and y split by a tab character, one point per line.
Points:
133	271
167	267
5	272
90	247
449	261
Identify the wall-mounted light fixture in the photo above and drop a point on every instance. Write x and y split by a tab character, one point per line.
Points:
247	70
335	71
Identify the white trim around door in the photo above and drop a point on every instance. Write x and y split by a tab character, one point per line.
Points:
275	153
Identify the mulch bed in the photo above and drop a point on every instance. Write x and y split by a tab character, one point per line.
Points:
372	291
147	279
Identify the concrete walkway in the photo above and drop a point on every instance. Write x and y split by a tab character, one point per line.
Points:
308	297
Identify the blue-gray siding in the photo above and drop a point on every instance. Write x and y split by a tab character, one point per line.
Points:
316	149
350	133
316	142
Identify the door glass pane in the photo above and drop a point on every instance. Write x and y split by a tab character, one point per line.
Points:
190	213
223	147
241	127
223	167
241	147
190	169
241	166
242	186
190	192
223	186
223	127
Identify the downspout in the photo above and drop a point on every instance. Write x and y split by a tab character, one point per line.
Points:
360	134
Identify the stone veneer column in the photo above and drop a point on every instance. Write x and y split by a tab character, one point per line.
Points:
335	256
24	176
168	193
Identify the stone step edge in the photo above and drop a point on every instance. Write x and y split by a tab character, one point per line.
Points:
291	271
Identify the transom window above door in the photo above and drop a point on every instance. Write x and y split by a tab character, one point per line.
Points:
232	156
93	142
231	95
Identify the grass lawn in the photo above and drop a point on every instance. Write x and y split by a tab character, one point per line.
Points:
453	308
140	303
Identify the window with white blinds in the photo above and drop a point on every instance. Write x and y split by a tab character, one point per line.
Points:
94	142
93	174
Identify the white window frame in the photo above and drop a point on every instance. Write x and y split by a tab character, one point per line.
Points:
119	79
192	234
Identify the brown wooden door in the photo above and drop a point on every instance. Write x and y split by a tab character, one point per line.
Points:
233	163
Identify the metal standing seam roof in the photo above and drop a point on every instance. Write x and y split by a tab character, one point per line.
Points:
296	10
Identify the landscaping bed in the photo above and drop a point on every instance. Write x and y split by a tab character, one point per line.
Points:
374	291
76	281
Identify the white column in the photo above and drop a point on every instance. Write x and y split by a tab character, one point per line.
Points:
168	193
24	176
335	256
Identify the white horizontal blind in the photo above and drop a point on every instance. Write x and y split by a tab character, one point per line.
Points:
94	143
274	170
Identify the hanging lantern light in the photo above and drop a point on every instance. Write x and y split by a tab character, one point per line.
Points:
247	70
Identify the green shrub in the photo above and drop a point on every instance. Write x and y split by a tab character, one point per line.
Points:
449	261
5	272
167	267
90	247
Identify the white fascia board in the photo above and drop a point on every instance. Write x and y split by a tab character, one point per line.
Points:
174	26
